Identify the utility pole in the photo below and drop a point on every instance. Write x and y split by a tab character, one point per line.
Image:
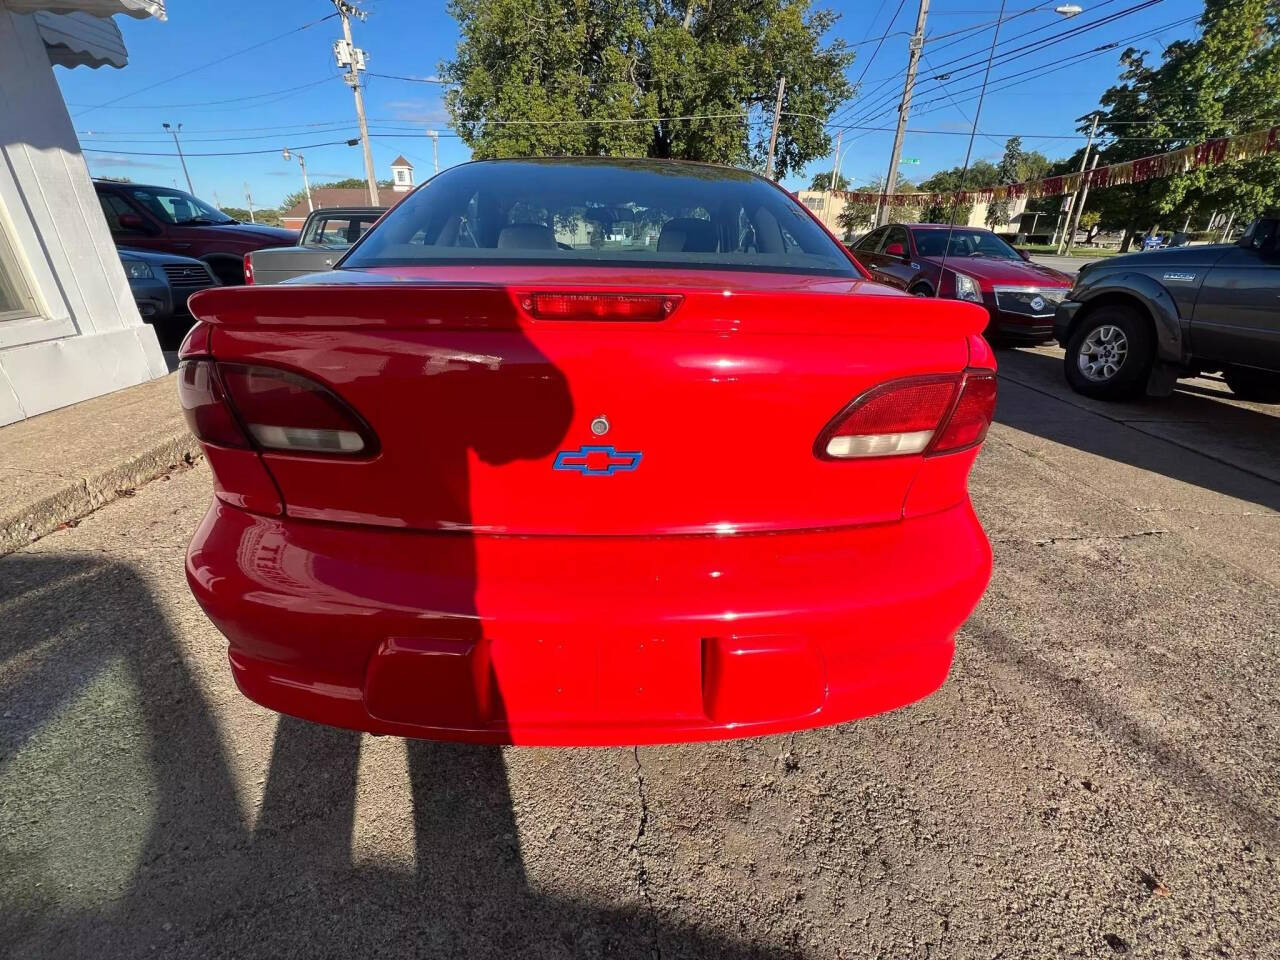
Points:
904	109
835	173
351	57
248	199
435	149
216	202
1084	195
181	159
773	134
1071	202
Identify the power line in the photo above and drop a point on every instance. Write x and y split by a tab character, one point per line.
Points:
206	103
204	66
393	76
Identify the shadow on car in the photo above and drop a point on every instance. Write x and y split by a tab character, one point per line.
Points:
122	832
1193	436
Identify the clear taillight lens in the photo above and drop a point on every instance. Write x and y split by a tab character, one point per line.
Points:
929	415
228	403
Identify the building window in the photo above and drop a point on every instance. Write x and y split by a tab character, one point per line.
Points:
16	302
402	176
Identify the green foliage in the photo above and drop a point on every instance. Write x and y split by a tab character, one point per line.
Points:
573	65
1225	82
857	218
822	181
981	173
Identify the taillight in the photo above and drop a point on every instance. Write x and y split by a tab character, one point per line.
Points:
205	405
248	271
600	306
930	415
243	405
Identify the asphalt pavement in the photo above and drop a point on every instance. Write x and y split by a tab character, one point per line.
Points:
1100	775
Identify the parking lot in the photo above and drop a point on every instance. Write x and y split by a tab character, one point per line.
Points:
1099	776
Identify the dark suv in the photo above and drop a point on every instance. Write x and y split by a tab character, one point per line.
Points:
172	221
1136	323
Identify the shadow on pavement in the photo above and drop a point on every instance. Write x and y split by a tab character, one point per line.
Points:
121	834
1199	440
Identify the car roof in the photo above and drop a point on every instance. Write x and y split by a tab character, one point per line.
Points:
342	211
695	167
940	226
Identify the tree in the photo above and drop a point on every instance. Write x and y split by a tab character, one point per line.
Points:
1011	169
857	218
1203	88
822	181
1090	220
267	215
981	173
568	77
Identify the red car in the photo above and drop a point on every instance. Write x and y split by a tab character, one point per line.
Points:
1020	297
588	452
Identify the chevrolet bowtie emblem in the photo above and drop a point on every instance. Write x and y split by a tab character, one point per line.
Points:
597	461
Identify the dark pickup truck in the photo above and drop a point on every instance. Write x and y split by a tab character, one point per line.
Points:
168	220
1134	324
324	238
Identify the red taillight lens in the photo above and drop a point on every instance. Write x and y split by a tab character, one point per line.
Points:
205	407
600	306
248	270
929	415
968	423
279	410
285	411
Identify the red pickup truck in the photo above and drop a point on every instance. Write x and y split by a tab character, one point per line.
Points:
168	220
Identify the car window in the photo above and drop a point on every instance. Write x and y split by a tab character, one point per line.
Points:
174	206
637	213
871	242
964	243
897	235
1261	235
112	207
341	231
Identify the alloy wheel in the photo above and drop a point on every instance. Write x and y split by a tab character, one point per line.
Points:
1103	353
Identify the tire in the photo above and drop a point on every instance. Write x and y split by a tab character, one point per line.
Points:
921	290
1259	386
1110	353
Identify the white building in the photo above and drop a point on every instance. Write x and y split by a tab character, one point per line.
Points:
401	175
827	207
69	329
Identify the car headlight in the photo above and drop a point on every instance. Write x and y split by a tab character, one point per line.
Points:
136	270
967	288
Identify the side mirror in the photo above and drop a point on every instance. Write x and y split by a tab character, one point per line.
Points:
895	250
131	221
1024	254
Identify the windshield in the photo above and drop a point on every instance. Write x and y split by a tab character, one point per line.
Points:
174	206
964	243
632	213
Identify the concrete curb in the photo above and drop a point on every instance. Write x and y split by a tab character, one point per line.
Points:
69	500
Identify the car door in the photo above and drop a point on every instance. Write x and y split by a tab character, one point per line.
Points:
893	264
128	226
867	250
1237	316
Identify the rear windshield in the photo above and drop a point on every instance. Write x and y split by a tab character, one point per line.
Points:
639	213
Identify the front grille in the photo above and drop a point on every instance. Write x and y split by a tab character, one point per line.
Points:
1029	301
183	275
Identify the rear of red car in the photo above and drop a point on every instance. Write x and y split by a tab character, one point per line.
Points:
588	453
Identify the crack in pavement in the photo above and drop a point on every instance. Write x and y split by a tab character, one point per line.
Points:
1050	541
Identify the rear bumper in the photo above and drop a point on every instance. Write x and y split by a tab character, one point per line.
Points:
586	640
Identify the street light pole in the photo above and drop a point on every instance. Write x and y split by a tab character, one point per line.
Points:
904	108
181	159
835	174
248	199
306	186
435	149
354	60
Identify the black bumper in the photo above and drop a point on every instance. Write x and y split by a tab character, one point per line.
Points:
153	297
1063	318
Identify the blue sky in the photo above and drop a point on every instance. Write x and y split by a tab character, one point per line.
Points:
288	93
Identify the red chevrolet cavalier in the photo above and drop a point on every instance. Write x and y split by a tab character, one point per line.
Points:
588	452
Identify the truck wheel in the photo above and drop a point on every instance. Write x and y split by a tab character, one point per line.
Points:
1250	384
1109	355
921	290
